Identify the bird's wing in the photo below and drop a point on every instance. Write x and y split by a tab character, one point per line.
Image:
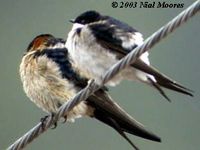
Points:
115	36
104	36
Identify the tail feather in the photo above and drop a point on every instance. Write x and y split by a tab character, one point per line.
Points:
157	86
162	79
124	125
105	109
175	87
113	123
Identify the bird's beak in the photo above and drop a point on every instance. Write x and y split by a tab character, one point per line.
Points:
72	20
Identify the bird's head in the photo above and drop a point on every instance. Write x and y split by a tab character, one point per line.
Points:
39	42
87	17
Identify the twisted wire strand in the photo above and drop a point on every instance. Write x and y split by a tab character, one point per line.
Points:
92	86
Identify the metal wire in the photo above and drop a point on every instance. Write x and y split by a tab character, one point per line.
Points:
92	86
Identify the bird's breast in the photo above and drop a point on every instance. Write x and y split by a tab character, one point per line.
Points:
91	59
44	85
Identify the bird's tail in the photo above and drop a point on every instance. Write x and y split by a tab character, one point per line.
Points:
161	80
113	115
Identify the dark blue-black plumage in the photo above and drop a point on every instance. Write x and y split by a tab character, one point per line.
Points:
61	58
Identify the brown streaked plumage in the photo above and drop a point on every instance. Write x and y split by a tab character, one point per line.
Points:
49	80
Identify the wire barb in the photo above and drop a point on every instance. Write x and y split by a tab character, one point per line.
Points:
92	87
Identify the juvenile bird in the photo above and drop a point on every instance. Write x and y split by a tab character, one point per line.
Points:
96	42
50	79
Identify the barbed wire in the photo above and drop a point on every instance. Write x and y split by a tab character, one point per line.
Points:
92	86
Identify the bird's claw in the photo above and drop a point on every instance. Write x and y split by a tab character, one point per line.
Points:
43	120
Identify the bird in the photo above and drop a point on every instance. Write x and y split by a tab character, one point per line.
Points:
96	42
50	79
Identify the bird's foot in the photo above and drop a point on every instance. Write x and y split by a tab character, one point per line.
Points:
44	119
